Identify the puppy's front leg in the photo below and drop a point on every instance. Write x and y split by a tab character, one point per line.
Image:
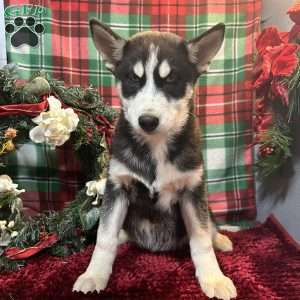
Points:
199	228
113	212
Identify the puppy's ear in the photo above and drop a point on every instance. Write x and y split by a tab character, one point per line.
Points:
203	48
108	43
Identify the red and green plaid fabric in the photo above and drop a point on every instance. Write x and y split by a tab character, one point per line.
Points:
51	177
224	96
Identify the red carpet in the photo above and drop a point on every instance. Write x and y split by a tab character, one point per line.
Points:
265	264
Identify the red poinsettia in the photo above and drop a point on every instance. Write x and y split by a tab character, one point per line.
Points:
276	59
269	37
294	14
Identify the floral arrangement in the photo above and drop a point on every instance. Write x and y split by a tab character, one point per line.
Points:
277	85
10	210
44	110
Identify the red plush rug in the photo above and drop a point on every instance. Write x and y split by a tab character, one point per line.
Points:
265	264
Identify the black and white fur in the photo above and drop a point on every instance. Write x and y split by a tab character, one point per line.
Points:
155	193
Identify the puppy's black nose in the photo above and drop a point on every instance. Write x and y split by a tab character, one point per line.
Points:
148	123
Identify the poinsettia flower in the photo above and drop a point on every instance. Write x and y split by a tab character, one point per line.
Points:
262	70
269	37
294	33
284	35
294	13
285	59
277	61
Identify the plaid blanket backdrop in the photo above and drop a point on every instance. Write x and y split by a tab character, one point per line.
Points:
54	36
50	177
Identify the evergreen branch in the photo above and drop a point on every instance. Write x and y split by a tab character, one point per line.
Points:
278	138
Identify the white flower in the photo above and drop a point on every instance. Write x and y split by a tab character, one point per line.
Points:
7	185
3	222
11	224
95	187
14	233
55	125
4	238
16	205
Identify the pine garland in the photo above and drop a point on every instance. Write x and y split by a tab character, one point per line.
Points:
293	84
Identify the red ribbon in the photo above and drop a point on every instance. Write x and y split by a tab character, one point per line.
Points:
103	125
23	109
46	240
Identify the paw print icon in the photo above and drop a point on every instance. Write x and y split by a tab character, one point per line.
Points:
24	31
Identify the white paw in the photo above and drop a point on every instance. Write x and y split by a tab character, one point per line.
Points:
218	286
123	237
222	242
90	282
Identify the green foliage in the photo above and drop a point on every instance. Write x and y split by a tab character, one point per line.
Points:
278	138
10	91
87	100
293	84
10	265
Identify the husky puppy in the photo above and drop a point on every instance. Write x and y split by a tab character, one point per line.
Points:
155	190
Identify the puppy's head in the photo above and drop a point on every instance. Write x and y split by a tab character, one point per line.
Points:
156	73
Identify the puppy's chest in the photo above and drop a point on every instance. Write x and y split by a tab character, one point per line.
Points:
169	180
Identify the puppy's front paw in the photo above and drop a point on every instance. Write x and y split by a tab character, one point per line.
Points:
222	242
90	282
218	286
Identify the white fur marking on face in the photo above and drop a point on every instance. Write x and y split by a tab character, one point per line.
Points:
172	113
138	69
148	99
152	60
164	69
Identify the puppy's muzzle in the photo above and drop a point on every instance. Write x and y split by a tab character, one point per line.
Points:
148	123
